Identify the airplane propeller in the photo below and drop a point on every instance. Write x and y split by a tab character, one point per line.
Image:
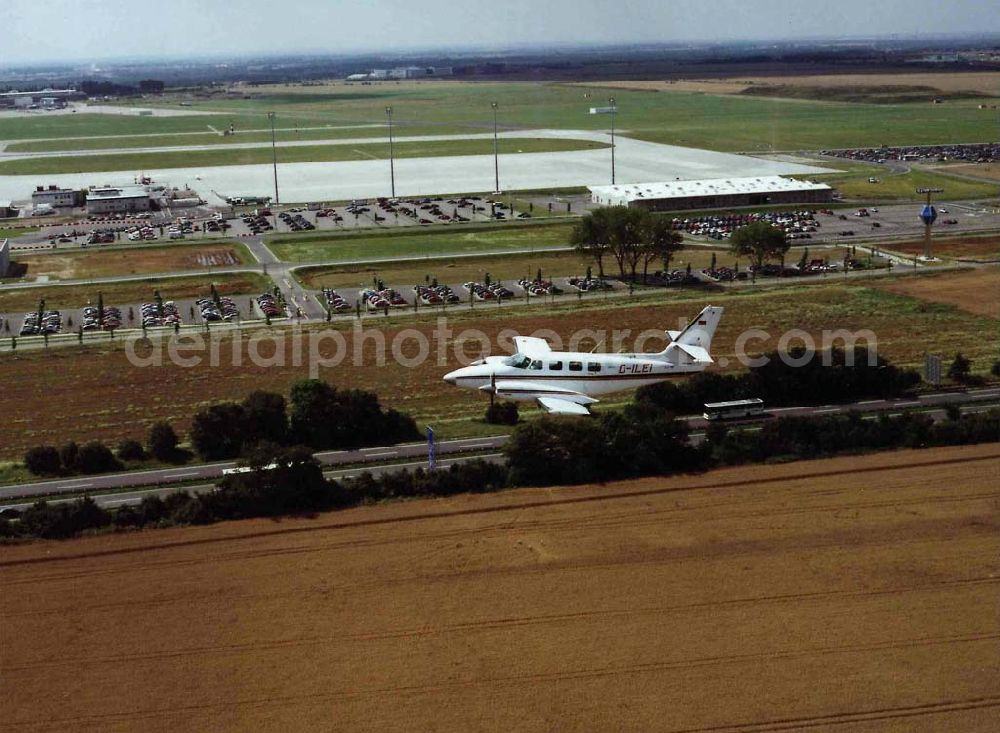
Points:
493	387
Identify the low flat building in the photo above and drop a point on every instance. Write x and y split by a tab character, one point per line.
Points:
6	210
56	197
116	200
4	257
714	193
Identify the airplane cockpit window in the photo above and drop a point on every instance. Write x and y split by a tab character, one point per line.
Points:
518	361
536	364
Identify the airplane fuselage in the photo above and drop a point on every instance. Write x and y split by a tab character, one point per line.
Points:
582	373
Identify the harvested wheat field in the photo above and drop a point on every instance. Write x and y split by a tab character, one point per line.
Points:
854	594
976	291
986	83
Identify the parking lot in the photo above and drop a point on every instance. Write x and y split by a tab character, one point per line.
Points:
154	313
381	212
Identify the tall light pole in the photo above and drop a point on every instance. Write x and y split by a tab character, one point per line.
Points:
928	215
274	158
614	111
392	162
496	150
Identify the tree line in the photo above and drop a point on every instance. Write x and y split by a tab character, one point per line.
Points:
835	375
315	415
642	441
628	237
631	237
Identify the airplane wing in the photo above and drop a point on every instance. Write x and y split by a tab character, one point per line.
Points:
557	406
529	345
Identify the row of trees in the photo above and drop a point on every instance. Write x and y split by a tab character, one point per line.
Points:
629	237
633	237
553	450
824	378
316	415
95	457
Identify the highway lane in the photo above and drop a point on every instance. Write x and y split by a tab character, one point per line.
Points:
379	455
119	498
213	471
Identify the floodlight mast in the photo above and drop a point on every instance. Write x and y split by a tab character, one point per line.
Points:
614	111
274	158
928	215
496	150
392	162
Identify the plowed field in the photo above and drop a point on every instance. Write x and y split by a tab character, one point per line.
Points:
855	594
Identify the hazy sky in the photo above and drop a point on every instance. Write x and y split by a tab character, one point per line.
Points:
55	30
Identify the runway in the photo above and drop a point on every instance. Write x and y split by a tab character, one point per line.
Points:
636	161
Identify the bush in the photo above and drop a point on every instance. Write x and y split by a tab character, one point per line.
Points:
218	431
265	418
95	457
68	454
324	417
130	450
162	441
43	460
502	413
58	521
960	369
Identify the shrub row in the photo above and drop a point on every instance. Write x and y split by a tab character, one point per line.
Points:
642	441
789	378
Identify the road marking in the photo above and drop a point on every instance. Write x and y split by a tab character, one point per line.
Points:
76	486
181	475
829	409
870	402
907	404
479	445
380	455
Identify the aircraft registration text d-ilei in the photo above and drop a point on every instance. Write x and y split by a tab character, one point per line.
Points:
566	383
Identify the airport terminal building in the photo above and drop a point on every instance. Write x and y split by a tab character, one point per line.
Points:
715	193
122	199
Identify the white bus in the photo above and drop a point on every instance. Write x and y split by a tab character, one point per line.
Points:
247	469
733	409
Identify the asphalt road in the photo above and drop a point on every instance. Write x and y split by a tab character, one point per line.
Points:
108	489
212	471
119	498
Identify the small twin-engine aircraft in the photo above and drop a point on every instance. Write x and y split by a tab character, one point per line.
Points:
566	383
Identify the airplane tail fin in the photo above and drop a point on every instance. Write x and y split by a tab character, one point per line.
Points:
697	335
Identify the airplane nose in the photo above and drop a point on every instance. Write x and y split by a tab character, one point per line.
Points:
451	377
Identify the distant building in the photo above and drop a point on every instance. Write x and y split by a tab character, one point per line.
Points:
56	197
4	257
6	209
713	193
114	200
57	98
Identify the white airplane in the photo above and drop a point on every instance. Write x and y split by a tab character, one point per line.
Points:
565	383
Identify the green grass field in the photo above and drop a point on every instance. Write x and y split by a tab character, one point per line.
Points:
699	120
431	242
855	185
298	154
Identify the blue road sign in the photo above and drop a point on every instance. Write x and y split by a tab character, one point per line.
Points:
928	215
431	458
